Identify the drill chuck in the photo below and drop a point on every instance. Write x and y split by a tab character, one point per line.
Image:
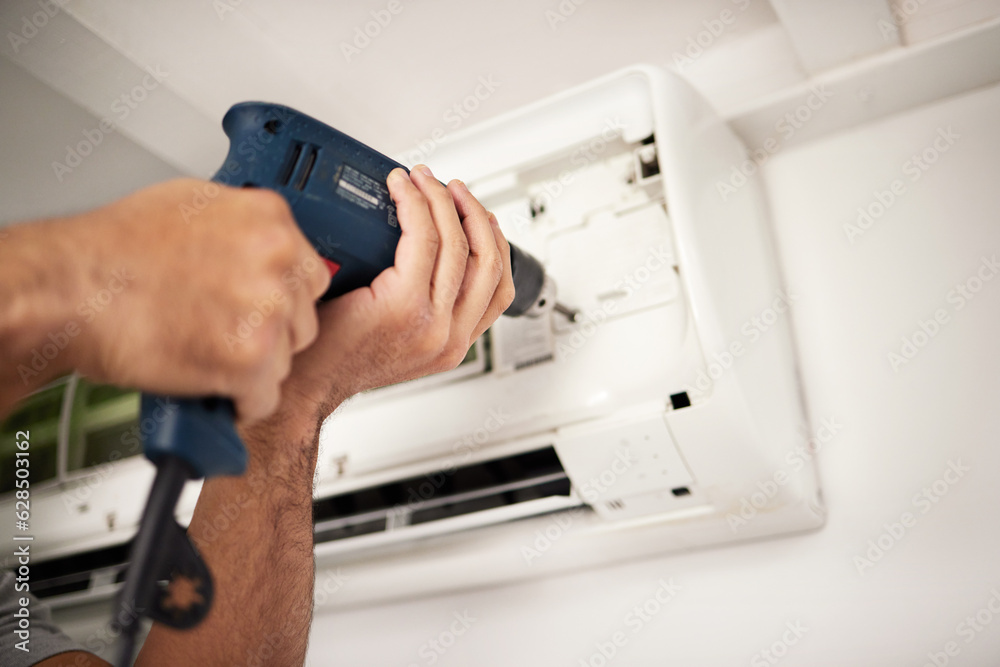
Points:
529	282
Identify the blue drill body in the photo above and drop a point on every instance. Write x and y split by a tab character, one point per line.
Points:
335	186
336	189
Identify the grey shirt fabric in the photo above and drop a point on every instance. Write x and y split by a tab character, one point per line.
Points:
46	639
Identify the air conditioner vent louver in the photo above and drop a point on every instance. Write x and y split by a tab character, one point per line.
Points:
441	495
465	490
72	574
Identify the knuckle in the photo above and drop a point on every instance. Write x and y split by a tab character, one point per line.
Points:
414	318
311	324
269	202
459	244
433	240
453	289
453	356
253	295
494	312
250	354
286	243
434	340
503	245
496	268
307	333
506	293
415	196
289	303
272	243
440	197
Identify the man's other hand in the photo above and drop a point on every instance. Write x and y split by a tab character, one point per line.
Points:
451	280
182	288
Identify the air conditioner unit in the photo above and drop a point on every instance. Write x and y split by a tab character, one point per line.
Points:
668	416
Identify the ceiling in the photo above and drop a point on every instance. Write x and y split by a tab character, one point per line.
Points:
389	72
390	91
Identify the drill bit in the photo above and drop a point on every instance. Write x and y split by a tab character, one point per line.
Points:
570	314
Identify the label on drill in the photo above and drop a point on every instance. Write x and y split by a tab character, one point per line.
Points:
364	191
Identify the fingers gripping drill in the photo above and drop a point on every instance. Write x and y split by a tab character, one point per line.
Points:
336	189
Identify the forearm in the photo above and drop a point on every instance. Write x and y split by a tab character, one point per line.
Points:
255	533
43	279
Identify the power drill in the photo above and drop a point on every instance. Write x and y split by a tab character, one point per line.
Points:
336	189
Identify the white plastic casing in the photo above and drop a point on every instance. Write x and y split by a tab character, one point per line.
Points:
680	292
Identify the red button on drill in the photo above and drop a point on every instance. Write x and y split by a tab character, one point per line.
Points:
332	266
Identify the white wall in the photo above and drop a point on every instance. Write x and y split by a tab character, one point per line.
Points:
854	303
900	430
38	124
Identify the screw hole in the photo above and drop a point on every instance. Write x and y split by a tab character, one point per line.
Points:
272	126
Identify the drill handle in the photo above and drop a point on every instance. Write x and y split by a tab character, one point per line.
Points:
200	431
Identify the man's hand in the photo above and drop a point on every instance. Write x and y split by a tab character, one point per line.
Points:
216	305
451	280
